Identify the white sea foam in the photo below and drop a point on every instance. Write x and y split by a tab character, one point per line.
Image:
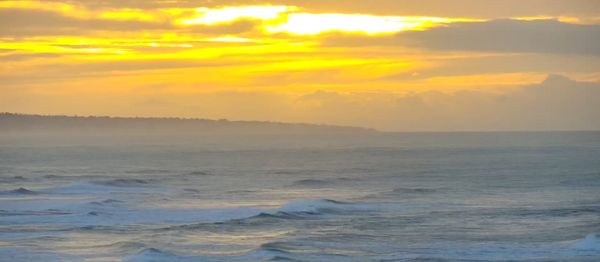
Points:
590	243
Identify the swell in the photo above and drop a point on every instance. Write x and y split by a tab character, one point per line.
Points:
148	171
294	210
302	209
588	247
49	212
123	246
105	186
13	179
20	191
274	251
415	190
314	182
124	182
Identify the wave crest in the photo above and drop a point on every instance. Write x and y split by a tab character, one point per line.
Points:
123	182
316	206
590	243
22	191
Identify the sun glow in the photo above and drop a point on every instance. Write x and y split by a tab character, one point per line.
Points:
311	24
207	16
286	19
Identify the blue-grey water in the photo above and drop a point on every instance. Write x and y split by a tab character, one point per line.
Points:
389	197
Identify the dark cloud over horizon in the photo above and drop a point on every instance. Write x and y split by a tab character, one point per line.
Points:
504	35
557	103
538	36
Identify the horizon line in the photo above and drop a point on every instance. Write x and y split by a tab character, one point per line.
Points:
298	123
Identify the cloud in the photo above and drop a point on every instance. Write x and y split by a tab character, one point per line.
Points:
494	64
539	36
27	56
30	22
146	4
455	8
230	28
557	103
505	35
95	70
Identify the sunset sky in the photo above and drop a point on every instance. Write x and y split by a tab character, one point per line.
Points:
398	65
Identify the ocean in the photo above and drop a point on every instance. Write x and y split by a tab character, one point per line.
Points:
530	196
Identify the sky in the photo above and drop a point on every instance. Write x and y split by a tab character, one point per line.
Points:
392	65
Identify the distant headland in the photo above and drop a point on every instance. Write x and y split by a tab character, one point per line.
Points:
15	123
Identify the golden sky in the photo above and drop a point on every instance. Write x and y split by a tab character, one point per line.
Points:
428	65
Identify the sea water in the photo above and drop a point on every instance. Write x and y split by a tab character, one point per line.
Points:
385	197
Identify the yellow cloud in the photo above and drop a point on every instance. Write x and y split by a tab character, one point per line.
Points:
62	8
128	14
210	16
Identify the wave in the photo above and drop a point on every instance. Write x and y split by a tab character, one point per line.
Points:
108	201
154	254
123	246
318	206
586	249
279	247
417	190
86	187
101	187
21	191
12	179
289	251
294	210
279	215
197	173
111	212
590	243
312	182
49	212
247	191
585	180
147	171
78	188
305	209
301	209
556	212
27	254
123	182
53	176
275	251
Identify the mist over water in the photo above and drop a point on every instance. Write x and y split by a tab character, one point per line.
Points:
366	197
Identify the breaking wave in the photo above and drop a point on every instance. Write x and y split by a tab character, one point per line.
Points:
590	243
